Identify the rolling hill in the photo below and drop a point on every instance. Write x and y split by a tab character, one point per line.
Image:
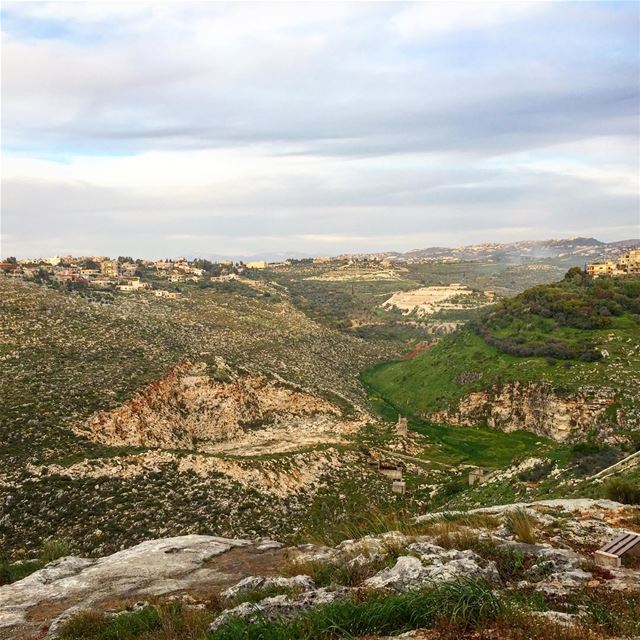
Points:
561	360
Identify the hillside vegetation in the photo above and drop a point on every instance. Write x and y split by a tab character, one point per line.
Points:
66	357
558	320
578	335
77	376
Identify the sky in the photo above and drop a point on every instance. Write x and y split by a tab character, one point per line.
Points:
240	129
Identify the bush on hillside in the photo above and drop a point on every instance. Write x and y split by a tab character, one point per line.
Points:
622	490
589	458
536	473
535	323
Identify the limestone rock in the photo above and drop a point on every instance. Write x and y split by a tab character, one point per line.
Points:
439	565
279	606
187	409
407	573
251	583
532	407
154	567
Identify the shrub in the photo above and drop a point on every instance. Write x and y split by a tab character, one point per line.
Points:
521	524
589	458
54	549
536	473
622	490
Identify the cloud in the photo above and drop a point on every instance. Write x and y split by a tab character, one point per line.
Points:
425	19
286	125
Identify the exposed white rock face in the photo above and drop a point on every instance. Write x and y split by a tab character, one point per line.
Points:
532	407
251	583
427	301
280	606
436	565
154	567
187	409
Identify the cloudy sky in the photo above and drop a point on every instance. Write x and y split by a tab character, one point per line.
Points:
165	129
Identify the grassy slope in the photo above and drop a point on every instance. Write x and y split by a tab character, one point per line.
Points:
464	362
479	447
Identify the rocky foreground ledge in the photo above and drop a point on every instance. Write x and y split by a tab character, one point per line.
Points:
256	580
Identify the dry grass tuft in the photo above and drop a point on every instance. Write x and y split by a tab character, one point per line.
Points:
521	524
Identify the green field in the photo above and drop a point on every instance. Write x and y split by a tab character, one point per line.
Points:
478	446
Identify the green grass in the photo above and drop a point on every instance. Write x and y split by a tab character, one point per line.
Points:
91	625
12	572
464	362
479	446
54	549
461	363
464	604
458	609
51	550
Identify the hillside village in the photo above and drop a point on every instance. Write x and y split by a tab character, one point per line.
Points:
128	275
125	274
314	402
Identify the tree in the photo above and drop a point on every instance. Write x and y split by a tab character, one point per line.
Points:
88	263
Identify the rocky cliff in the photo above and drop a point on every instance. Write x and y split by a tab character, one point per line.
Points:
188	409
532	407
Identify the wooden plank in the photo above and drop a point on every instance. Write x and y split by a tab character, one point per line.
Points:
621	544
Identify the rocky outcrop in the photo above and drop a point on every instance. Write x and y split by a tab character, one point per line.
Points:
188	409
247	575
155	567
531	407
431	564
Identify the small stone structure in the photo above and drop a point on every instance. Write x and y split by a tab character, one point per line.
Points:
626	544
402	428
391	472
477	476
399	486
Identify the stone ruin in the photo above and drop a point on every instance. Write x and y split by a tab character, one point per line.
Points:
399	486
477	476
